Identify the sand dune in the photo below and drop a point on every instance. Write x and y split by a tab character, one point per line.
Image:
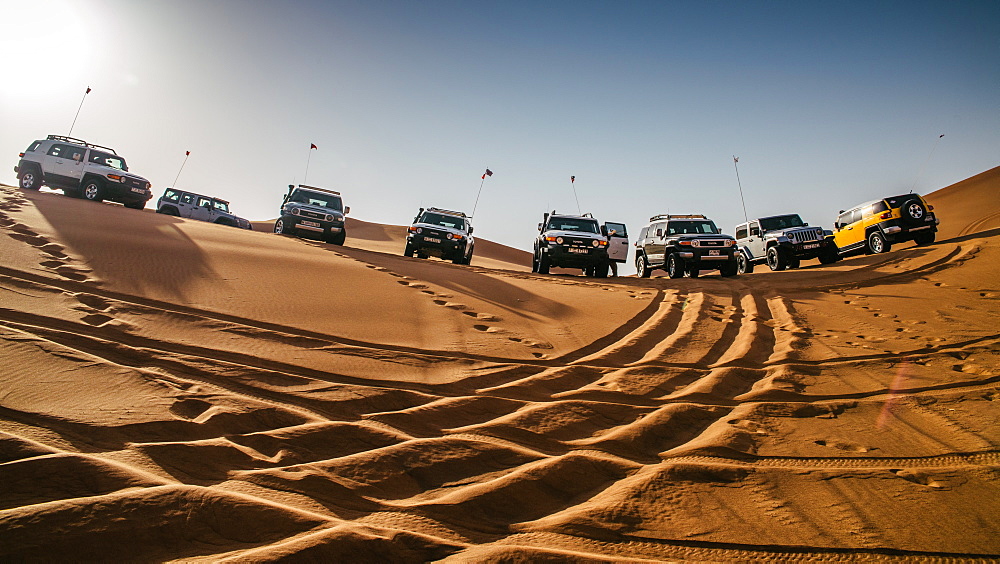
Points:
175	390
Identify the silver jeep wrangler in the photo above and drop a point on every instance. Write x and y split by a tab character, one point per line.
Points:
782	241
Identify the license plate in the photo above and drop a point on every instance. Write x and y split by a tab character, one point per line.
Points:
432	240
139	190
813	246
579	251
310	224
713	253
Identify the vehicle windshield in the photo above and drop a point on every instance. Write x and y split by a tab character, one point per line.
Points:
691	227
114	161
320	199
221	206
781	222
443	220
574	224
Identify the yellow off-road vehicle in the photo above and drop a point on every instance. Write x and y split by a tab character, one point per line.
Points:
873	227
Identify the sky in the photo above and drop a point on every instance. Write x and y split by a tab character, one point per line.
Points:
826	104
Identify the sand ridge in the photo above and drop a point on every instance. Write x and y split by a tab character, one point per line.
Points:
174	390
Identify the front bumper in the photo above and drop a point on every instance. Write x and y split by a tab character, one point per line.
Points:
808	249
303	225
575	257
436	246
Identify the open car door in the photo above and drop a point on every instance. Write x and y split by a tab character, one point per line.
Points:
617	241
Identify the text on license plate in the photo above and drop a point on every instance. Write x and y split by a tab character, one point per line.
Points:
432	240
139	190
713	253
576	250
812	246
310	224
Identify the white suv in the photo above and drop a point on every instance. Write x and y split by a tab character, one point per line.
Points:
83	170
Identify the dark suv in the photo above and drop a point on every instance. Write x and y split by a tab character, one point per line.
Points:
441	233
311	211
83	170
571	241
782	241
684	244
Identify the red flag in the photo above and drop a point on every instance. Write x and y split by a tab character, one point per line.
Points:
187	153
487	173
572	180
312	146
88	90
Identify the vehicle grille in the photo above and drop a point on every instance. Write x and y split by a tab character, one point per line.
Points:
312	215
711	242
433	233
577	242
805	235
134	183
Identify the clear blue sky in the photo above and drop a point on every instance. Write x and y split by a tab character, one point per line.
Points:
827	104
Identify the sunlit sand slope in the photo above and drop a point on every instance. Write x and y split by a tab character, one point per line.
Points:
174	390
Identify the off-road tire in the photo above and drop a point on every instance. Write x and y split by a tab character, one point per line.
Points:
743	265
877	243
694	271
337	238
913	212
675	266
830	255
224	221
31	179
93	190
543	264
924	238
776	259
730	269
135	205
171	210
601	270
408	250
279	227
642	269
421	255
794	262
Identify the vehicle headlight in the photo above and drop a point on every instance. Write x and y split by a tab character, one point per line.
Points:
730	243
559	240
553	239
294	211
685	243
595	243
328	217
420	230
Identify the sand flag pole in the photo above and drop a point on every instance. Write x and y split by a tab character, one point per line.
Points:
927	160
736	166
485	174
186	155
572	181
311	147
78	112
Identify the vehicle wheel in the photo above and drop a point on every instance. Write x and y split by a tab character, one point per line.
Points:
675	266
776	259
421	255
135	205
281	228
877	243
338	238
743	266
601	270
408	250
30	180
829	256
694	270
642	267
225	222
794	262
534	263
170	210
913	212
730	269
543	264
93	191
924	238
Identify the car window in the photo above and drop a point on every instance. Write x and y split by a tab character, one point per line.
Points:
879	207
317	199
187	199
755	229
781	222
33	147
741	232
204	202
574	224
619	229
172	195
443	220
57	150
691	227
642	233
221	206
107	159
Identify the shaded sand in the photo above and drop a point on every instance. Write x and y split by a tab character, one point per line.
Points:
174	390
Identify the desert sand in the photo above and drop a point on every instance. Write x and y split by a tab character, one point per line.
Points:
175	390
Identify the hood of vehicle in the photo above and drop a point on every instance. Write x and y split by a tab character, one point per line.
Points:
441	228
797	234
701	236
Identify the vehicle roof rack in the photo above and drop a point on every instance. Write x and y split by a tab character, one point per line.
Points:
588	214
674	216
66	139
318	189
449	212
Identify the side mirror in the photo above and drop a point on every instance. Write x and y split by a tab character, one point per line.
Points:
470	230
347	210
841	211
540	225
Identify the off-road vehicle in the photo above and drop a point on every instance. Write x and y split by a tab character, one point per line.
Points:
441	233
196	206
315	212
782	241
571	241
684	244
81	169
873	227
